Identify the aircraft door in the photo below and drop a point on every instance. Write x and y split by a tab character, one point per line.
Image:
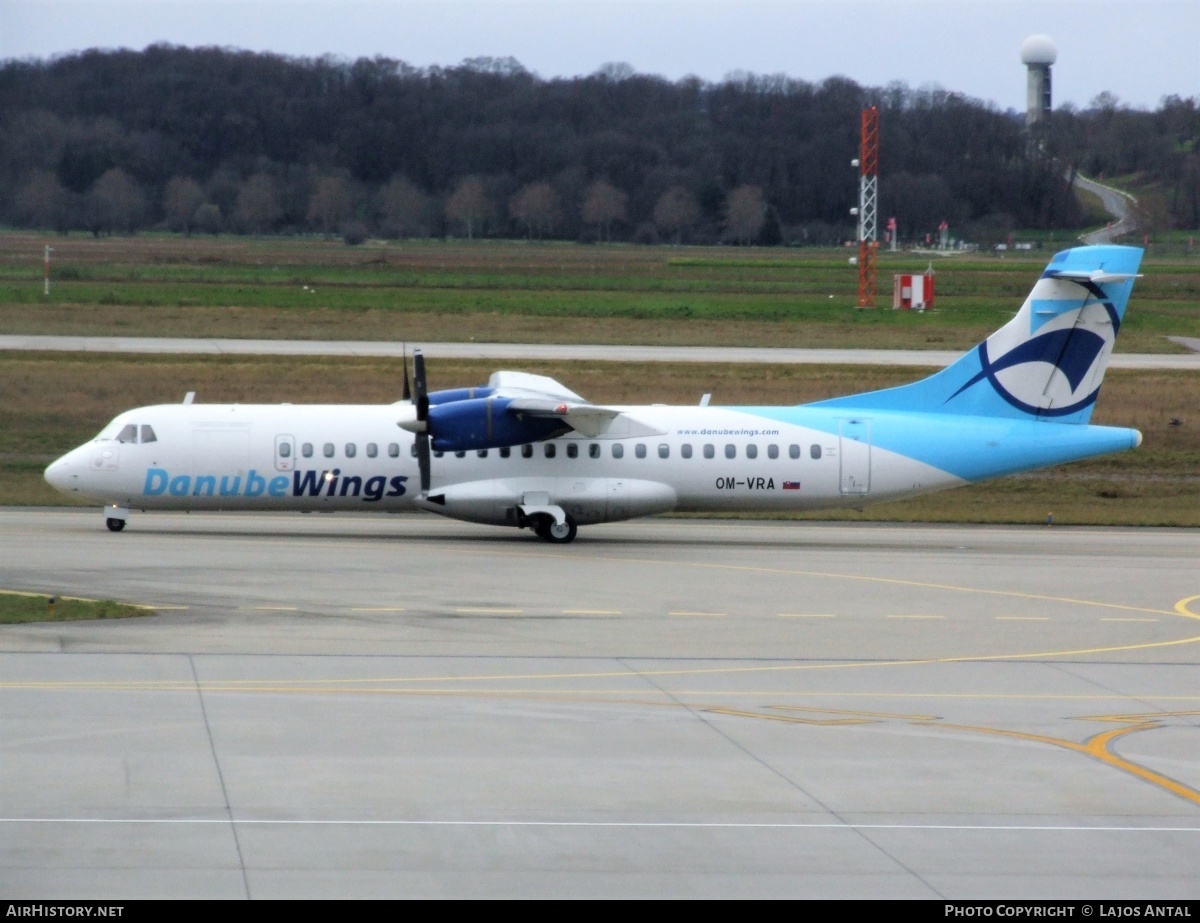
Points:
618	499
854	455
285	453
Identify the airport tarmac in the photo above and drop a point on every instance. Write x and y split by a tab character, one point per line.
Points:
406	706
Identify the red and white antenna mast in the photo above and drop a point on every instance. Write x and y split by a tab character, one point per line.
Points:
868	207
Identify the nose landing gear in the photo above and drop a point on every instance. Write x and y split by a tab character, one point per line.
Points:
114	518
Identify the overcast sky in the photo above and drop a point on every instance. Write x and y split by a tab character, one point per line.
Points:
1140	50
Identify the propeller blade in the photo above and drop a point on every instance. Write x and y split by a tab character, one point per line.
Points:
422	443
421	394
419	386
407	389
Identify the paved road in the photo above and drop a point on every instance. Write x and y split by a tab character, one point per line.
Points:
336	706
518	351
1117	203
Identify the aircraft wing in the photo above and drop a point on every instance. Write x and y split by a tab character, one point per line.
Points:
523	384
540	397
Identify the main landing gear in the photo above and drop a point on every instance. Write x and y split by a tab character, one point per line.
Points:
555	533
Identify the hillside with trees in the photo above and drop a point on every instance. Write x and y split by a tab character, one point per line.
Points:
215	140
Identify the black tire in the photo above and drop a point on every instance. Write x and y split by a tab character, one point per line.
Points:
115	525
560	535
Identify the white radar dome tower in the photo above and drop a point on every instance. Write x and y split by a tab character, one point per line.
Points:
1037	54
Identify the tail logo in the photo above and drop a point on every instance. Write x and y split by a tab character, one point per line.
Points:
1042	375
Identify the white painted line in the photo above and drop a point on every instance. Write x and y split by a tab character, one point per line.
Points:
200	821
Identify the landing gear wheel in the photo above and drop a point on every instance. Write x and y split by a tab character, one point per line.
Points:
556	534
114	525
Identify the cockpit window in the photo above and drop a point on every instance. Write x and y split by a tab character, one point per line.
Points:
128	433
148	434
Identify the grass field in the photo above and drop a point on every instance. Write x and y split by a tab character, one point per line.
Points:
18	608
303	288
53	402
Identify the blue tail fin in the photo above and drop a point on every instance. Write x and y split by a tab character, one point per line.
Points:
1047	362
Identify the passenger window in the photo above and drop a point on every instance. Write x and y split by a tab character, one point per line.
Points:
438	454
618	450
128	433
527	451
412	448
461	453
640	450
772	451
730	450
815	451
594	450
550	450
482	453
328	449
686	450
372	450
664	450
394	449
351	450
285	450
505	451
793	451
710	450
148	434
752	451
572	450
306	449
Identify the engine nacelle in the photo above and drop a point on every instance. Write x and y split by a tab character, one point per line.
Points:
458	394
485	423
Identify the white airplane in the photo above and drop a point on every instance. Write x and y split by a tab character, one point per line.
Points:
526	452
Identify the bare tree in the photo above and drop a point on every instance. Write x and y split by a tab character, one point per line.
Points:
115	203
536	207
181	199
43	202
1151	215
469	205
677	212
745	214
403	209
208	218
603	205
330	204
258	209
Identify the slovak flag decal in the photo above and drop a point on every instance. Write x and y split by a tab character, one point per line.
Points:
791	485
